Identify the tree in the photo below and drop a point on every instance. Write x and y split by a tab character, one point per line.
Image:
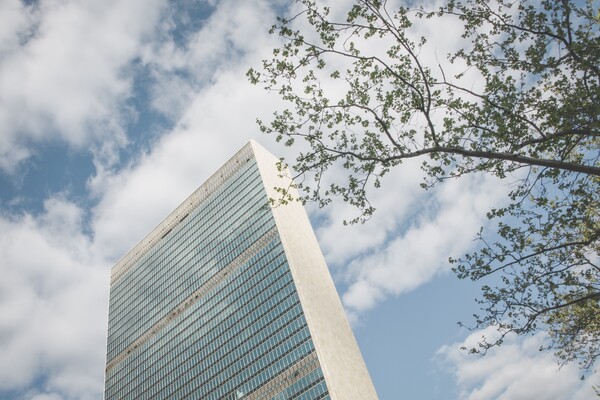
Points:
520	100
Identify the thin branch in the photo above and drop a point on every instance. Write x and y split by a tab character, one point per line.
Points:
533	317
543	251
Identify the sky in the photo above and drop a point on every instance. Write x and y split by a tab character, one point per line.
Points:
113	112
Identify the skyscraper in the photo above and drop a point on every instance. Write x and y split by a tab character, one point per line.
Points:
230	298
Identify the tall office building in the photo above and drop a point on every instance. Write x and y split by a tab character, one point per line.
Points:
229	298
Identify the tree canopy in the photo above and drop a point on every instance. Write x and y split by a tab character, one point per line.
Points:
519	99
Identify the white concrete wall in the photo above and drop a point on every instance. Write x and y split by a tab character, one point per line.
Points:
338	353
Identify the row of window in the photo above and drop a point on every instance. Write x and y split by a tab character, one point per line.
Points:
171	293
194	366
156	362
216	311
225	360
247	379
163	307
206	218
168	257
256	374
205	211
184	267
312	382
249	300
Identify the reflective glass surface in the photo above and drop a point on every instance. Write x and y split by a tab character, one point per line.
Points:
211	311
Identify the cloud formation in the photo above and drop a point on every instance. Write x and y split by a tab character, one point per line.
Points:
63	72
410	237
53	304
517	370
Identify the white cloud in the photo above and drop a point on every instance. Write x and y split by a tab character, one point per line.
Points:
233	38
44	396
395	202
53	303
411	236
515	371
62	71
14	24
218	119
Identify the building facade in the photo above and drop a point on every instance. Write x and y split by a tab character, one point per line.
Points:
230	298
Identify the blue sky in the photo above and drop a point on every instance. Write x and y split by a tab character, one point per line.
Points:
113	112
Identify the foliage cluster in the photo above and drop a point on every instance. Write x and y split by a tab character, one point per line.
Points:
520	99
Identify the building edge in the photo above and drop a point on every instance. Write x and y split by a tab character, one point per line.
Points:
169	223
338	353
340	358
